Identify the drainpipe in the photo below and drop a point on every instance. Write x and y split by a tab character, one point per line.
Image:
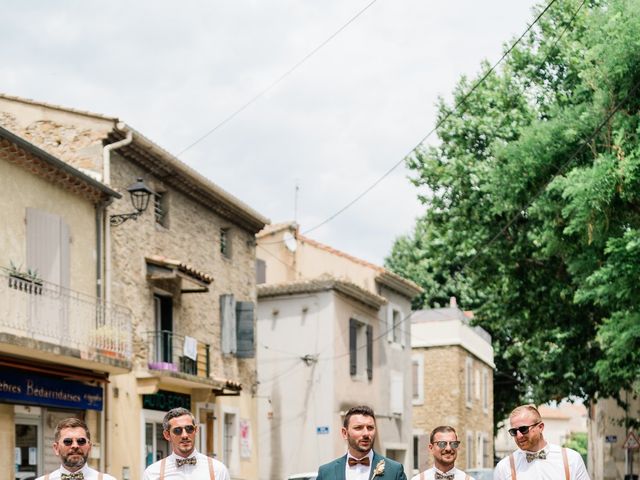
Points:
106	178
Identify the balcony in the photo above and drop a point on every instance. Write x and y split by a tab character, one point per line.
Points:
43	319
167	352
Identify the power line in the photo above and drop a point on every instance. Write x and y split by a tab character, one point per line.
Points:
279	79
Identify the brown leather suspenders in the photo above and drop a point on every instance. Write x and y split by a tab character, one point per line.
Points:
212	475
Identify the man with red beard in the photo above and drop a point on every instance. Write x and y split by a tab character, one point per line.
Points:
361	462
185	462
72	443
536	459
443	446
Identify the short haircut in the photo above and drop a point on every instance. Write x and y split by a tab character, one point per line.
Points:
71	422
359	410
173	413
526	409
442	429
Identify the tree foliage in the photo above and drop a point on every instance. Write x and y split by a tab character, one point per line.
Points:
532	207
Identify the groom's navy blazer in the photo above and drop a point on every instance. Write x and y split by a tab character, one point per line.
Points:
335	470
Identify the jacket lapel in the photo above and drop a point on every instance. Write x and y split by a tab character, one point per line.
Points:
376	459
339	468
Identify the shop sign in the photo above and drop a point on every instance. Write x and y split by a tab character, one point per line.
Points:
30	388
165	401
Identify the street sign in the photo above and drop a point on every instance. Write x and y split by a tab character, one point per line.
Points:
631	443
324	430
610	438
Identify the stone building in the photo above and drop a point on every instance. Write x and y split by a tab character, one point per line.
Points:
185	268
52	365
333	333
453	384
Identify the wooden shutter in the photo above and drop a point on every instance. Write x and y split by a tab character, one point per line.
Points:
48	247
245	330
228	323
353	346
369	352
261	271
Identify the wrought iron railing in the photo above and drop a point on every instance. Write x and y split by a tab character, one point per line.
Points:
43	311
172	352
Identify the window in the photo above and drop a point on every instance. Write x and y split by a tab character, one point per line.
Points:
225	242
238	327
229	439
485	390
416	452
360	349
477	383
469	450
395	332
261	271
48	240
417	379
468	378
163	341
396	391
480	445
161	208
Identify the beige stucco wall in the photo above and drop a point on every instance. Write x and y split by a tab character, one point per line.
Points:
21	190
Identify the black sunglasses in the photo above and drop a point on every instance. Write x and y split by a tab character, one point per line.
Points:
80	441
523	429
189	429
442	444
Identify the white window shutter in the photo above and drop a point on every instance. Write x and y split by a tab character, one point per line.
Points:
228	323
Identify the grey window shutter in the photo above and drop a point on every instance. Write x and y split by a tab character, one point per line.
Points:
261	271
228	323
48	247
353	346
245	330
369	352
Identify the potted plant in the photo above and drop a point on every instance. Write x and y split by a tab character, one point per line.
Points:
28	281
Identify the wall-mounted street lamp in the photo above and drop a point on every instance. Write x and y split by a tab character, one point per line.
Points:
140	195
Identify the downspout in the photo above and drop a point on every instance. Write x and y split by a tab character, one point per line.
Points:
106	179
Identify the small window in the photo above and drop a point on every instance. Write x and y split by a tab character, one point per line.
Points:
485	390
161	208
360	349
417	374
468	378
469	450
225	242
395	332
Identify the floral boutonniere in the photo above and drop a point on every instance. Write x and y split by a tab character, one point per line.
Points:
379	470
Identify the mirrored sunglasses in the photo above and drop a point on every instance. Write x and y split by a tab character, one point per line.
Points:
442	444
523	429
189	429
80	441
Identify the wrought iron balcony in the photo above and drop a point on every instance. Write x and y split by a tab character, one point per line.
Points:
170	352
45	312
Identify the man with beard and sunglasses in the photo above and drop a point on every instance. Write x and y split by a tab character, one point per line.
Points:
443	445
72	443
185	462
536	459
361	462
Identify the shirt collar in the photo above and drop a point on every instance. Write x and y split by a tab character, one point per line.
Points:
193	454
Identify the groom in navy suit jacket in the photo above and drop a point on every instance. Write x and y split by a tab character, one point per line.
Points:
361	462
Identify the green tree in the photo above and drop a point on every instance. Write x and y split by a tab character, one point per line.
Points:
532	208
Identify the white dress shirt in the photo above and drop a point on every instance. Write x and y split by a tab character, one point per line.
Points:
199	471
359	471
430	474
88	472
550	468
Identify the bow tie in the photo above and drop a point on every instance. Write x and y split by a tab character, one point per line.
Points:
444	476
186	461
532	456
72	476
363	461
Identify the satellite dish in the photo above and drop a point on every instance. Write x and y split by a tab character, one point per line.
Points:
290	242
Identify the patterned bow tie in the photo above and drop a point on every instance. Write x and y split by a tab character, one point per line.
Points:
72	476
363	461
532	456
186	461
444	476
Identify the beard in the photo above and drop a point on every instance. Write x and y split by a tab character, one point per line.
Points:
74	460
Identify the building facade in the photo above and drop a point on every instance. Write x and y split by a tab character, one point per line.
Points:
452	377
333	333
53	363
185	269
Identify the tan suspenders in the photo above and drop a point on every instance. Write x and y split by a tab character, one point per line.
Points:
565	462
212	475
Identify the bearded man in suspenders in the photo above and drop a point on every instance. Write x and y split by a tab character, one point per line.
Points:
185	462
72	443
536	459
443	445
